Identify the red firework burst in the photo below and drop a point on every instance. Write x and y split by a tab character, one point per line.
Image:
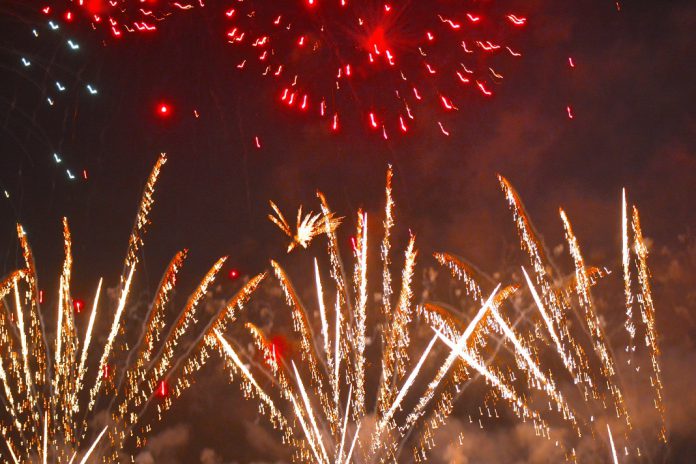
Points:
381	64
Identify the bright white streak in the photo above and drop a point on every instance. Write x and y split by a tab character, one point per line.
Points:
490	376
94	445
112	335
229	351
549	386
310	412
88	336
322	311
474	322
14	456
238	362
432	386
45	438
59	329
307	432
459	346
23	338
8	393
613	449
549	323
407	385
337	351
352	445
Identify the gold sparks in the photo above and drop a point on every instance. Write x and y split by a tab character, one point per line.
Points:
43	377
647	309
135	242
377	370
328	391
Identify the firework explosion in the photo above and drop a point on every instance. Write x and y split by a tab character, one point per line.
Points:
68	399
381	64
330	408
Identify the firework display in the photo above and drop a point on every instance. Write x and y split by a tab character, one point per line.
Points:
329	408
59	385
388	66
336	334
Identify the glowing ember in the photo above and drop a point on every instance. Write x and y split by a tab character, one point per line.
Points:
164	109
78	305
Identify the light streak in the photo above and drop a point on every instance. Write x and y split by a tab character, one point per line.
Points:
613	449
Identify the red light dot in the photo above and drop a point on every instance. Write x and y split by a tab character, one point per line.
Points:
164	110
162	389
233	274
278	346
94	6
78	305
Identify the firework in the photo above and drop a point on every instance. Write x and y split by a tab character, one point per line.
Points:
330	408
380	65
60	405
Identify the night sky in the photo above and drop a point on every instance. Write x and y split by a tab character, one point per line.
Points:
632	94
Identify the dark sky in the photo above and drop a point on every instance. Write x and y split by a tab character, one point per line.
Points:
632	93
